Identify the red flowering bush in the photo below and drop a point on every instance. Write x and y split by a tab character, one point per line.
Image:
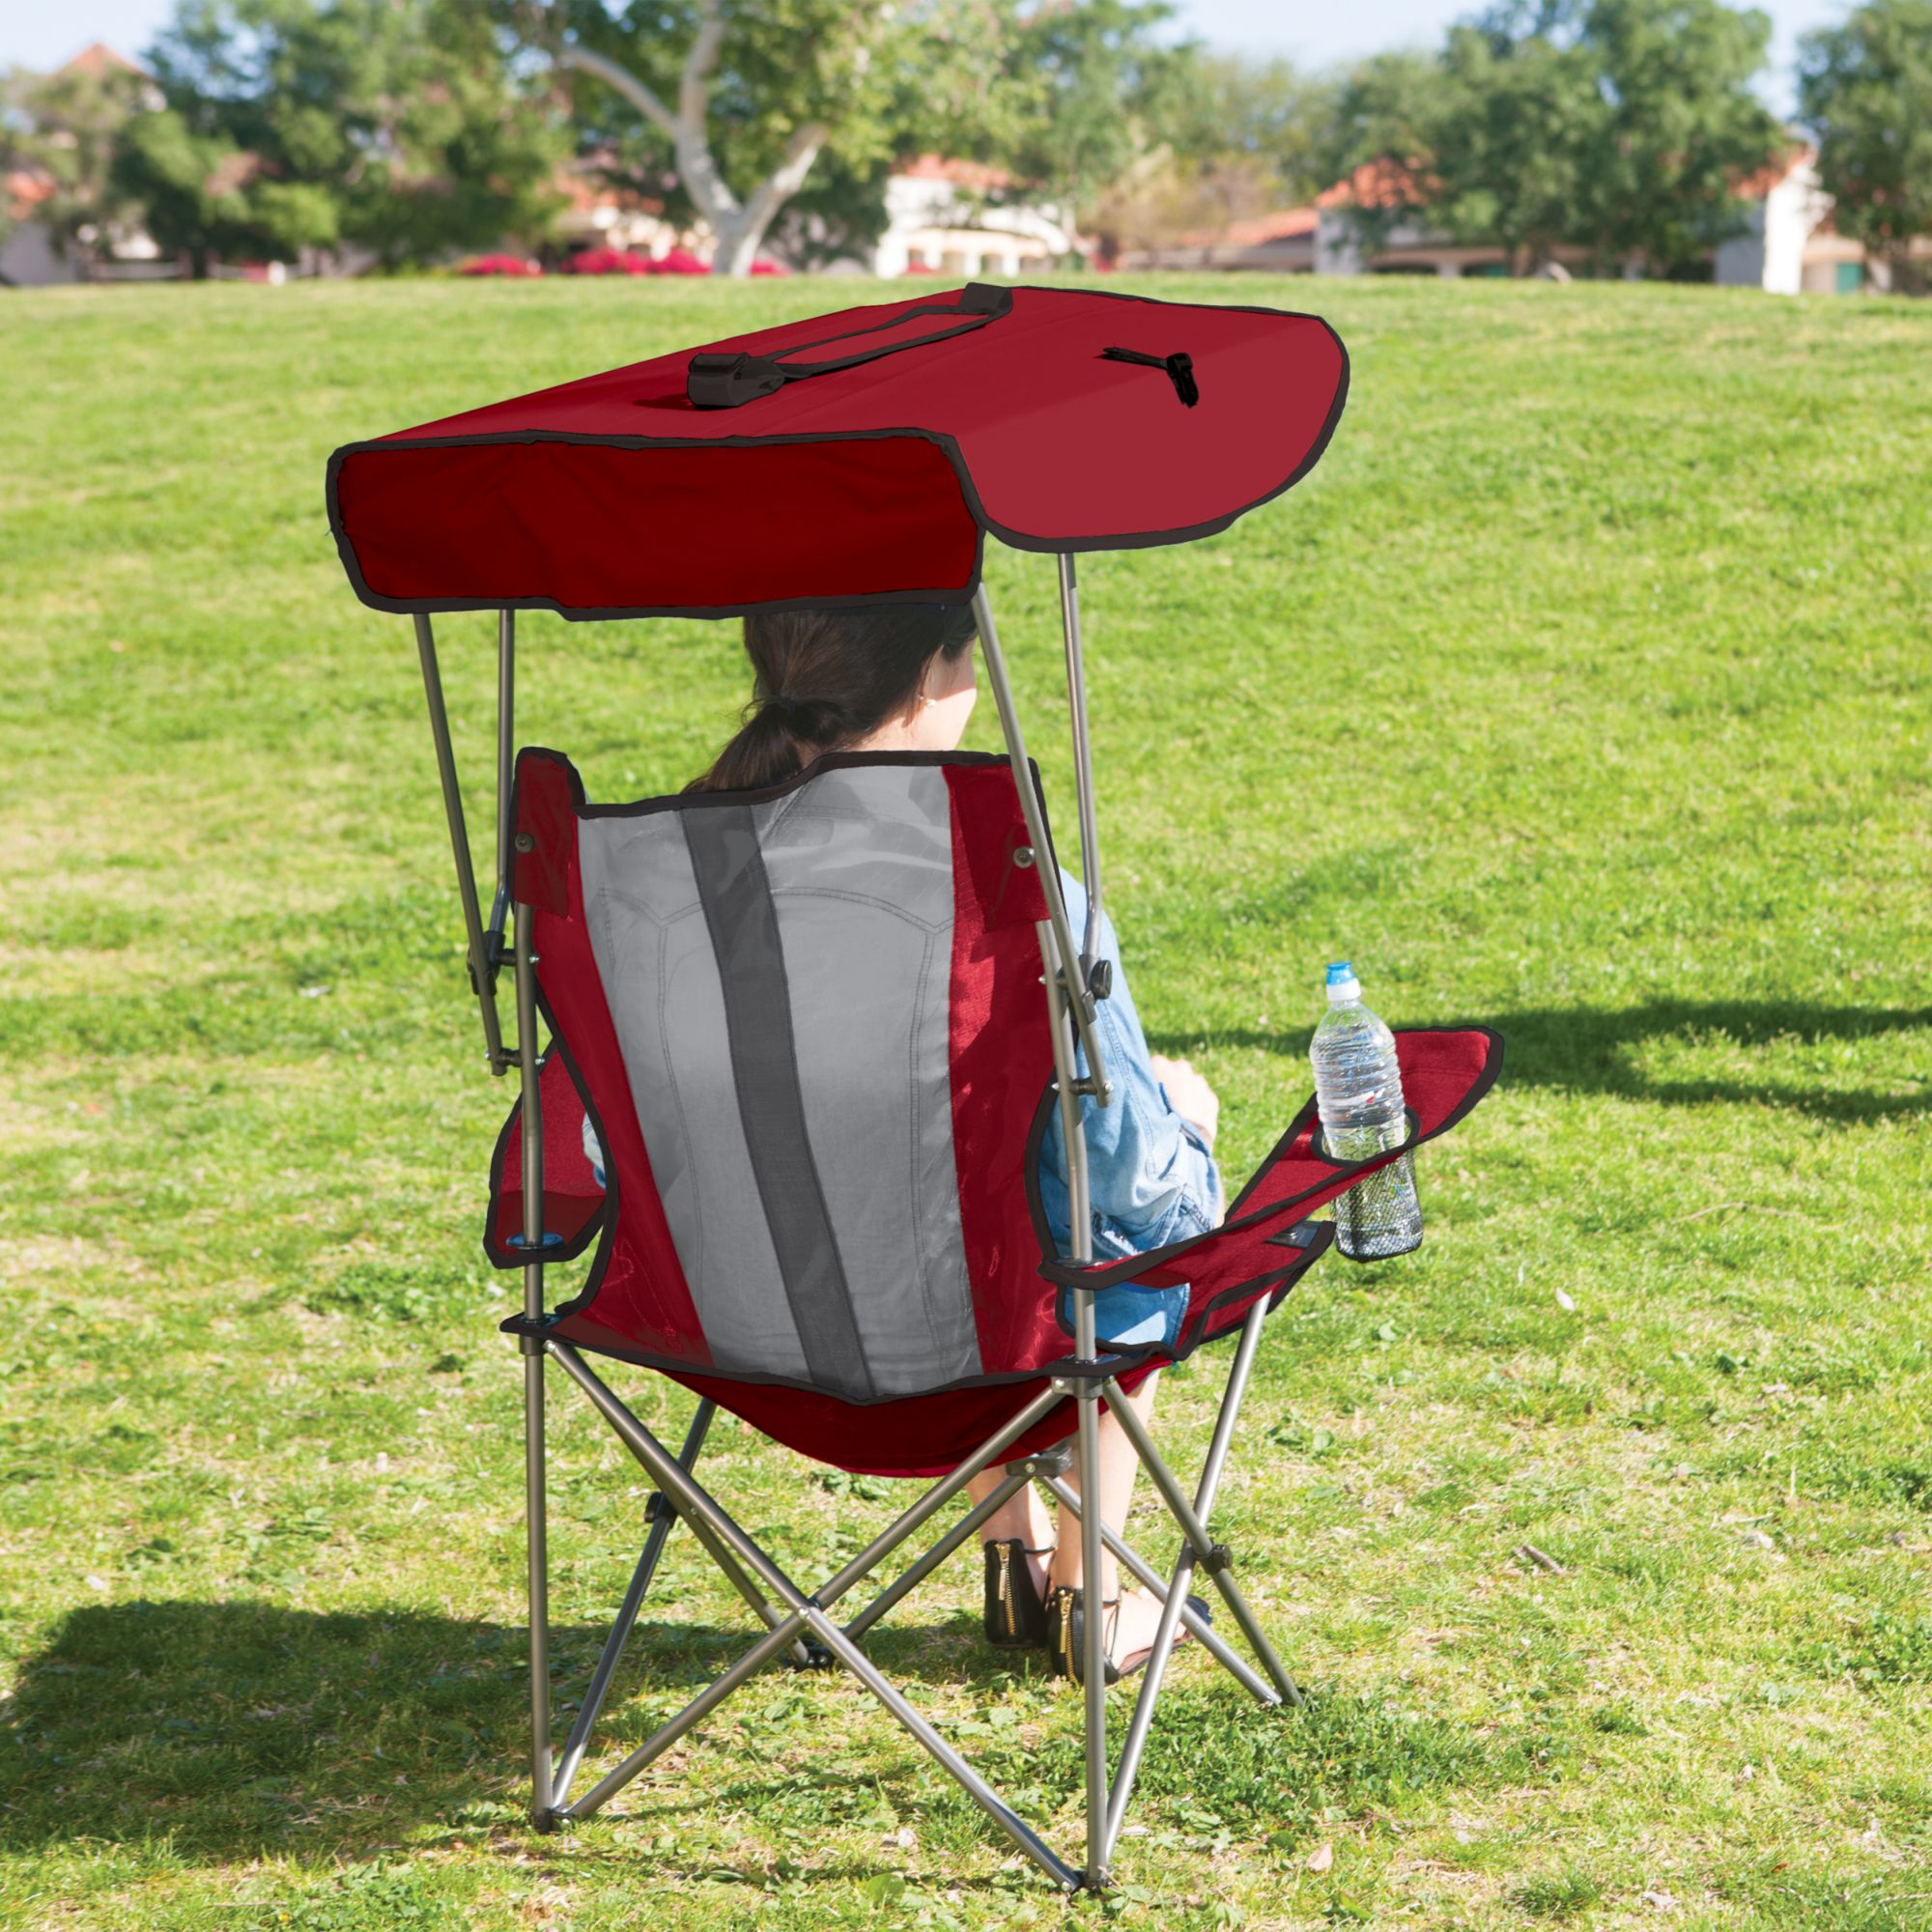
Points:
500	264
609	262
679	262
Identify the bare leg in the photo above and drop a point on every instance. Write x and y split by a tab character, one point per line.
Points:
1133	1628
1118	1466
1022	1514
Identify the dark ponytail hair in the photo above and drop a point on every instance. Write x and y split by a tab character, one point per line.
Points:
822	678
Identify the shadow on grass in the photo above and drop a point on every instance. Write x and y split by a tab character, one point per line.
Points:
239	1728
1590	1050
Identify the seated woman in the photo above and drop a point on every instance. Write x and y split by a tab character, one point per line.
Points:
900	677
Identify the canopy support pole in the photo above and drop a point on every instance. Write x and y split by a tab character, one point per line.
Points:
1078	991
1080	1001
1072	1015
506	782
481	964
1087	1448
1083	767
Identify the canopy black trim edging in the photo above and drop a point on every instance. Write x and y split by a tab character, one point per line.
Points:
948	445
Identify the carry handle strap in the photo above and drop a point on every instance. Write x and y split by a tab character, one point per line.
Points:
728	379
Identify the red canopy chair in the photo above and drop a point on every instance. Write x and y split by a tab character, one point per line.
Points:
853	1258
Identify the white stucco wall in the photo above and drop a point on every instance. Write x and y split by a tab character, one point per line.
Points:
998	238
1770	254
1792	210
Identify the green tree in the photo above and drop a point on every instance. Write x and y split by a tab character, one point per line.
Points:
395	125
1685	129
1865	90
1092	88
1238	138
1491	142
1269	120
62	130
803	105
1623	126
735	104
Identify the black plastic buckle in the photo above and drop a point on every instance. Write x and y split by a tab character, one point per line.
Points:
531	1327
716	380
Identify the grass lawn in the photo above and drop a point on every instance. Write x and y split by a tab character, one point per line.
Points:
1617	599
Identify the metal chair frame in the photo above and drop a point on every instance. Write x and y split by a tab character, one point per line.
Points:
799	1626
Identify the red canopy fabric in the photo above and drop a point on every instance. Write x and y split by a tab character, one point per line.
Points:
891	439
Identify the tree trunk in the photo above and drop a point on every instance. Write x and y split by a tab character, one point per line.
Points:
739	227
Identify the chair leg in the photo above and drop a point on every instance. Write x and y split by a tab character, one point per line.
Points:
1093	1663
916	1574
1183	1571
737	1560
662	1516
716	1527
1211	1556
1203	1632
975	1787
536	1530
767	1587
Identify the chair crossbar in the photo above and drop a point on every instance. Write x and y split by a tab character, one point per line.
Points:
917	1573
1207	1553
1150	1578
795	1619
1155	1669
705	1514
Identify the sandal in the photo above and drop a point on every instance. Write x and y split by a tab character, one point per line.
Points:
1067	1645
1015	1611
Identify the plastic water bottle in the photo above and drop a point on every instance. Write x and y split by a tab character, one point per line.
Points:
1358	1091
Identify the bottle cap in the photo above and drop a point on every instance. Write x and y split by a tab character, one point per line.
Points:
1343	984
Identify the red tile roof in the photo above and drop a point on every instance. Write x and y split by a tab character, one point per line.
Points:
1380	183
21	192
1773	173
100	60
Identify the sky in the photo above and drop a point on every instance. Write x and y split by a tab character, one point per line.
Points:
38	35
